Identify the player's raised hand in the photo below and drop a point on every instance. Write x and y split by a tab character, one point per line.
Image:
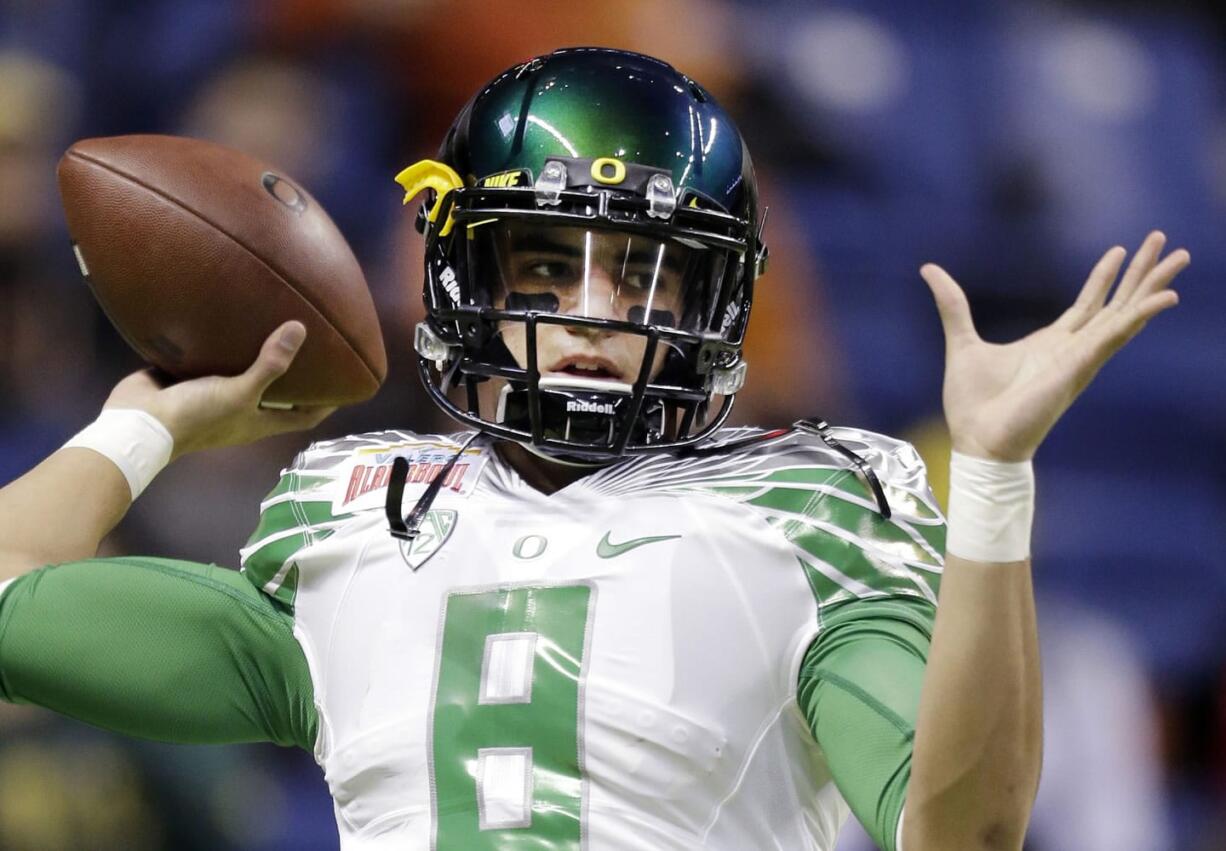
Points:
215	411
1001	400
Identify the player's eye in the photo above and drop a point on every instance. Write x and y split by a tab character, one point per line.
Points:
639	279
643	279
553	272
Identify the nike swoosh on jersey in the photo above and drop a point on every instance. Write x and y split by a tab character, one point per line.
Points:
606	549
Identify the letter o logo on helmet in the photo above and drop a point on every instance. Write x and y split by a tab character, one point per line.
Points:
608	170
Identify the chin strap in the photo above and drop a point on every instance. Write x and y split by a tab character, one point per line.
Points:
822	429
408	528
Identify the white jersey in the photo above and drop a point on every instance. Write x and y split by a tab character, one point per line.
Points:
612	666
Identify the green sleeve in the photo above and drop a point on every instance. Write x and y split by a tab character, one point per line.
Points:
859	690
156	648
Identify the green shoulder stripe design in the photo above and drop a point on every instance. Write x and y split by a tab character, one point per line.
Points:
846	549
294	481
913	543
280	516
296	514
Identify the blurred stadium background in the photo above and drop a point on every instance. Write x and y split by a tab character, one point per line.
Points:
1012	142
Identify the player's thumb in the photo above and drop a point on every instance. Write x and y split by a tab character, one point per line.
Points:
275	357
951	302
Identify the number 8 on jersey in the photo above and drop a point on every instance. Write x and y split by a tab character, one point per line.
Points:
506	717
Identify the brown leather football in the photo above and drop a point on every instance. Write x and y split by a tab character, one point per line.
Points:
197	252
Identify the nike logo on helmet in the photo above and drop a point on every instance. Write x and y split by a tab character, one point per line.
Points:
607	549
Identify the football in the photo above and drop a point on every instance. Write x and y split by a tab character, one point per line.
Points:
197	252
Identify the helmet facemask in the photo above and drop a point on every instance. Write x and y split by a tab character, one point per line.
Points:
638	292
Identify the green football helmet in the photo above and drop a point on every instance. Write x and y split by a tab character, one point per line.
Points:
604	194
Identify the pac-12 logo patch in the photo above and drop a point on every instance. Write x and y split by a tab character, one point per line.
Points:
436	528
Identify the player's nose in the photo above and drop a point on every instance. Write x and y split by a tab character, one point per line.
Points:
597	295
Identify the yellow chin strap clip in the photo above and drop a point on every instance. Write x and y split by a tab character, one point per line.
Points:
431	174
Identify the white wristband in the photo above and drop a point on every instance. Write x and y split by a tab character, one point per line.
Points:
134	441
991	509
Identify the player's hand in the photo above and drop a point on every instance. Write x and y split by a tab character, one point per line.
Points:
1001	400
214	411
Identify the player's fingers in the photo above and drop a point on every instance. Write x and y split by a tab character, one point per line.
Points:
1142	262
951	302
1094	291
274	359
1112	329
1155	303
1160	277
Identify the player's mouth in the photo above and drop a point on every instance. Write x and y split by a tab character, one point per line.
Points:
587	366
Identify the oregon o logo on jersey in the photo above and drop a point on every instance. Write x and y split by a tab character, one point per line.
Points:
530	546
436	528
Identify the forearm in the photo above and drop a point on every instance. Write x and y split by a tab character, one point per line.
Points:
978	740
978	734
60	511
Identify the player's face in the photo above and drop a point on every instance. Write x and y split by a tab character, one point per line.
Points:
598	274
